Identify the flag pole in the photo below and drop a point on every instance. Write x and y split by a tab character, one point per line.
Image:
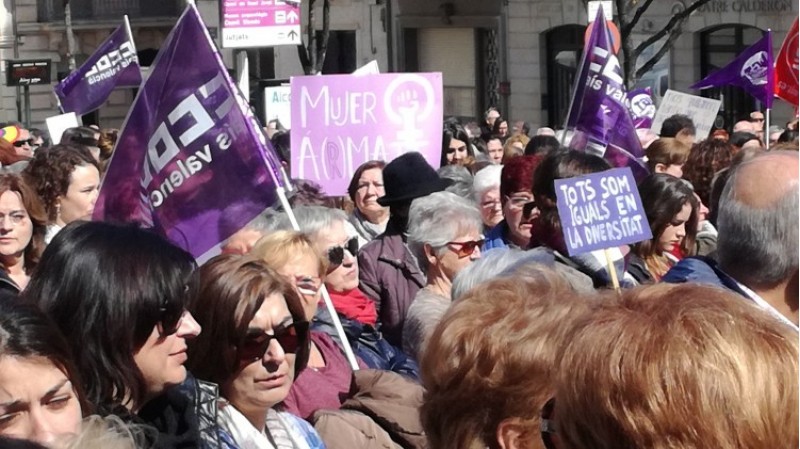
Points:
766	132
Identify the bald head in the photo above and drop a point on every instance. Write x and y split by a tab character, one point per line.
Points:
763	180
744	126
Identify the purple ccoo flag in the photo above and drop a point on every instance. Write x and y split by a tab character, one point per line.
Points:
753	71
114	64
599	114
190	160
641	106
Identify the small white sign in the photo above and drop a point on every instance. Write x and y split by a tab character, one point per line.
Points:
57	124
370	68
278	105
608	9
702	111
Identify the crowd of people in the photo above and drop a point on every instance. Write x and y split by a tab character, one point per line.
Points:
426	309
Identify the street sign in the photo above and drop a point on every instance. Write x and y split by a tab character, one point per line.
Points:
28	72
260	23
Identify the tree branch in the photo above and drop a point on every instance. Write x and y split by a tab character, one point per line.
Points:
326	27
311	49
676	20
628	28
673	36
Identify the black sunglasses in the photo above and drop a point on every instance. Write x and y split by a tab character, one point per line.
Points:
336	253
20	143
292	338
528	208
546	425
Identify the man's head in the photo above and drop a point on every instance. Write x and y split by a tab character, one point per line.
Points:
744	126
491	115
757	119
757	221
680	127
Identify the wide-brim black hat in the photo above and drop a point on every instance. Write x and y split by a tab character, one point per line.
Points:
409	177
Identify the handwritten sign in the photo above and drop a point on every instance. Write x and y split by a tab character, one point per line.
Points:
702	111
341	121
601	210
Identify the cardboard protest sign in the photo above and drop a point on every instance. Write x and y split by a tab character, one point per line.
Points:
57	124
702	111
601	210
341	121
277	105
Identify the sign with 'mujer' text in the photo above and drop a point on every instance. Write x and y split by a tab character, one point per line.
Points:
341	121
601	210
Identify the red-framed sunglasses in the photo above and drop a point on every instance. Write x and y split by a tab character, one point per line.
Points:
465	249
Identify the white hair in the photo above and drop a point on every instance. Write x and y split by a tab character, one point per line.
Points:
486	178
311	219
437	219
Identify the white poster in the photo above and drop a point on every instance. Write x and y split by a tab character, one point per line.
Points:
702	111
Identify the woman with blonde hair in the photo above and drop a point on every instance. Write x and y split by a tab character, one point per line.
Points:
677	366
515	146
501	341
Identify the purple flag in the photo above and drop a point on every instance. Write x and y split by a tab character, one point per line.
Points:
114	64
752	70
599	114
191	161
641	106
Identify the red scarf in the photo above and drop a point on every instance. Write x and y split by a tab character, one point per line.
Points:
355	305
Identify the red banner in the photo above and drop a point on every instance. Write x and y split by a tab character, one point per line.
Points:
786	85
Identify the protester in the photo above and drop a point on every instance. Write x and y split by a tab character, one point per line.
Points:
22	229
389	275
521	128
494	149
518	205
368	217
67	179
542	144
127	288
641	369
790	136
671	210
40	138
454	144
460	177
680	127
667	155
545	131
744	126
720	134
243	240
757	119
444	235
706	158
489	117
500	129
13	158
84	136
547	231
106	143
515	146
743	140
21	138
257	317
486	191
490	363
758	236
774	133
41	397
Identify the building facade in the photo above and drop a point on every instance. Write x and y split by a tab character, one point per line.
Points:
518	55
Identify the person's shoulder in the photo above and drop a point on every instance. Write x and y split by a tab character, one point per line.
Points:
303	429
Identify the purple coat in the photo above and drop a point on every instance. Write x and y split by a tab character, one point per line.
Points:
389	275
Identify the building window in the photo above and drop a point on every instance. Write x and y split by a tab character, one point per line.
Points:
564	46
719	46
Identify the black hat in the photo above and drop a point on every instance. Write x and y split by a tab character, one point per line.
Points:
408	177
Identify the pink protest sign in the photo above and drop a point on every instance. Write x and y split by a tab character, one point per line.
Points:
260	23
341	121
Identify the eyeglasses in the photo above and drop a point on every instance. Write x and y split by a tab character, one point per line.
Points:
465	249
520	202
336	253
292	338
20	143
547	426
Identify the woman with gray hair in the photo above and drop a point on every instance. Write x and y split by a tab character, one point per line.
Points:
486	191
444	234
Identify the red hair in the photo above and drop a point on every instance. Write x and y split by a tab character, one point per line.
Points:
517	175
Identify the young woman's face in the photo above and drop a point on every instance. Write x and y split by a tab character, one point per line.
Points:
78	202
457	151
676	230
37	401
161	358
264	380
16	227
495	149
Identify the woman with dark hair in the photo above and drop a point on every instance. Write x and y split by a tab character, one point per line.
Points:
500	129
67	179
671	209
84	136
547	231
254	344
456	148
40	390
22	229
368	217
118	293
705	160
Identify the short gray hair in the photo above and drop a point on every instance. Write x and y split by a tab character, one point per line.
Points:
461	177
311	219
758	246
485	179
437	219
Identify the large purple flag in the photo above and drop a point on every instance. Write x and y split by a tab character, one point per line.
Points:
599	114
752	70
114	64
191	161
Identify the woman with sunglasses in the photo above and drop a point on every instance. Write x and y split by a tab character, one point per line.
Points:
444	234
254	344
118	294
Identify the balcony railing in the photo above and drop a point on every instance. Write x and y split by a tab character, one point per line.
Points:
53	10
